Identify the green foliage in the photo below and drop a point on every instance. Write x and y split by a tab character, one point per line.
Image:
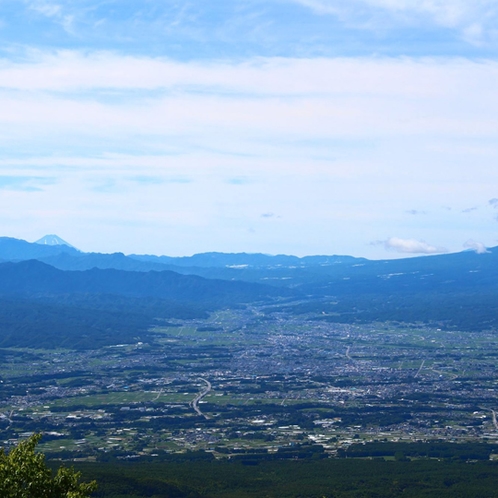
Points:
453	451
24	474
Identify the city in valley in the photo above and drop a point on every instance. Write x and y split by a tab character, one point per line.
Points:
253	380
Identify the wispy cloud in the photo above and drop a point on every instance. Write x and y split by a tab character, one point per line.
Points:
55	11
25	183
196	29
106	186
146	180
46	8
241	180
158	180
471	18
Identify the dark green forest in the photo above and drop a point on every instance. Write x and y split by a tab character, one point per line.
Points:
331	478
84	321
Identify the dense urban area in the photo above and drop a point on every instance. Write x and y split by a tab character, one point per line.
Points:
254	381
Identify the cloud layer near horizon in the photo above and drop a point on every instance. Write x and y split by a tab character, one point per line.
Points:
328	143
412	246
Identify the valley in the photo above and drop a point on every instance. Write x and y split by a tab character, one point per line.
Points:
265	383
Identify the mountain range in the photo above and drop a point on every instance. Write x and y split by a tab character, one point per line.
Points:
310	275
52	286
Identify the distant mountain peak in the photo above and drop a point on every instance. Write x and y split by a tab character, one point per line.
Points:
53	240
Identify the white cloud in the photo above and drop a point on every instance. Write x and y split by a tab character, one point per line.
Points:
426	78
478	247
331	145
412	246
308	97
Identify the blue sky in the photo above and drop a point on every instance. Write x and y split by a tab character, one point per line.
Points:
366	127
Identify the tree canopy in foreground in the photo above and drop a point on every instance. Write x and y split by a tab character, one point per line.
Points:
24	474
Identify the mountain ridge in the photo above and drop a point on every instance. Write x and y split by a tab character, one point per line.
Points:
112	293
33	277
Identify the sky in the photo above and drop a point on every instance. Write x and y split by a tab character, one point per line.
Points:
366	127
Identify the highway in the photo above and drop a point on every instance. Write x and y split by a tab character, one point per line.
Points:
420	368
495	422
195	402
